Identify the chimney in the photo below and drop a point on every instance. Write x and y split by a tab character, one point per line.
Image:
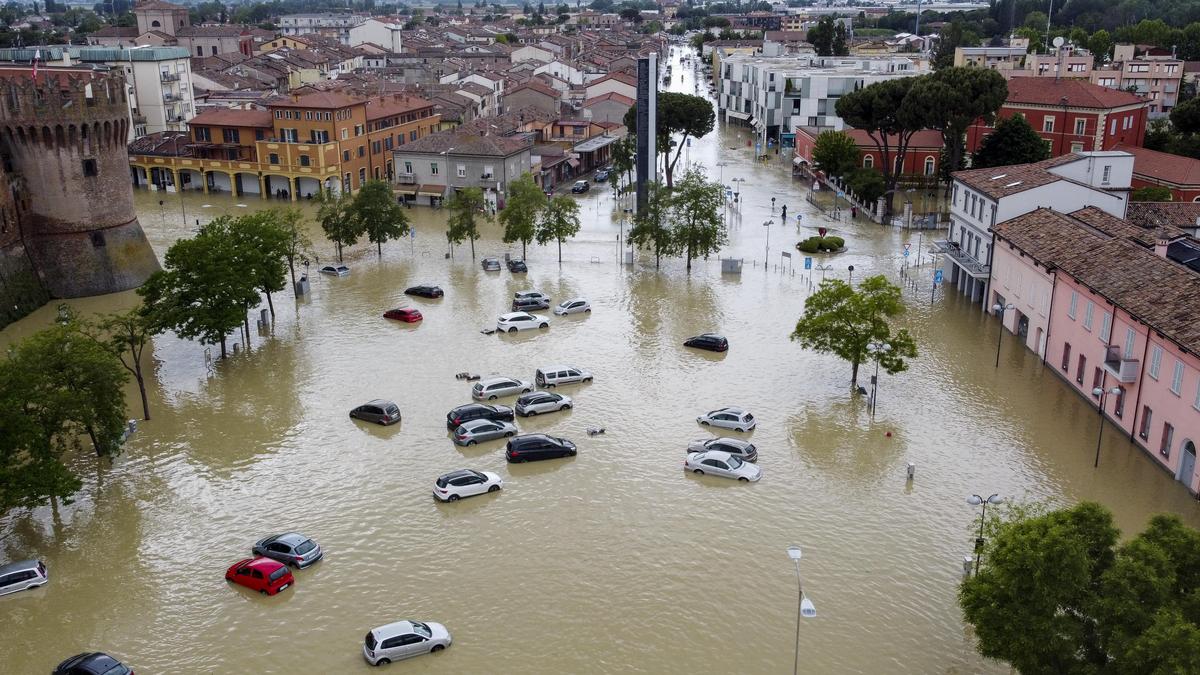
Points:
1162	239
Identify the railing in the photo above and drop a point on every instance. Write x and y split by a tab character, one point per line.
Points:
1125	370
168	97
406	178
168	77
972	266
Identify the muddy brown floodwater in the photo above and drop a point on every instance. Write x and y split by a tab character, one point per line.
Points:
613	561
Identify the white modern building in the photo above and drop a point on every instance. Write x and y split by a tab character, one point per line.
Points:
980	198
327	24
158	79
775	95
385	34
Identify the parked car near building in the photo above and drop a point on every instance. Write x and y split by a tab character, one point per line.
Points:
581	186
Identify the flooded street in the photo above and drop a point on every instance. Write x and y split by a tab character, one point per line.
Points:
612	561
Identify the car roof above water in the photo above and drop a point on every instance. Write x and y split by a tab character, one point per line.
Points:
19	566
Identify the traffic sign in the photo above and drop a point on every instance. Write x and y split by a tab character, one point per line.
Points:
841	193
786	254
906	252
906	246
937	276
807	263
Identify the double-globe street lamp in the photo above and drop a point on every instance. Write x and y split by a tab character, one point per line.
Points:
877	350
1102	394
1000	310
976	500
804	606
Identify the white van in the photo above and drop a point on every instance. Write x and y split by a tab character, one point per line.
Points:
556	375
19	576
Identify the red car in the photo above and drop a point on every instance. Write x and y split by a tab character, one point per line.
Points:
403	314
260	574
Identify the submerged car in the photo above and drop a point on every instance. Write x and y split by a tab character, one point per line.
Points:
92	663
490	264
378	411
260	574
289	548
465	483
581	186
728	418
710	341
335	270
21	575
536	447
404	639
478	431
405	314
741	449
495	387
425	291
602	175
527	304
515	321
723	464
538	402
477	411
517	266
573	306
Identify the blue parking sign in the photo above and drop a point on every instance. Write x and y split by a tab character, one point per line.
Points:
937	276
807	263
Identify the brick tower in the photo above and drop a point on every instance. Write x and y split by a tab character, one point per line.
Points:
62	142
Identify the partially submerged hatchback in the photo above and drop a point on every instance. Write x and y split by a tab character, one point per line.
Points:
289	548
260	574
403	640
92	663
22	575
378	411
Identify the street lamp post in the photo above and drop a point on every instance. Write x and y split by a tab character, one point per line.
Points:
1001	309
1103	394
877	349
976	500
772	205
767	251
804	606
824	269
851	278
737	188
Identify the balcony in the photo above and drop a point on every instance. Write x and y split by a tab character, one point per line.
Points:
1125	370
970	265
406	178
168	77
169	97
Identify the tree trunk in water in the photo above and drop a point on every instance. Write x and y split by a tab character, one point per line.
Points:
339	249
379	248
854	375
472	249
222	346
689	257
560	251
141	380
271	305
523	242
292	269
91	432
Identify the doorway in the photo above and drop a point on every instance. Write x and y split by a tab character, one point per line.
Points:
1187	464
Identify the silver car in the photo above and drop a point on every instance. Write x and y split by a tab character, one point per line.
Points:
537	402
740	449
728	418
19	576
495	387
477	431
723	464
289	548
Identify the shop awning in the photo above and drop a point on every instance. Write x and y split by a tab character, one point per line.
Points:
574	163
406	190
432	191
799	160
737	115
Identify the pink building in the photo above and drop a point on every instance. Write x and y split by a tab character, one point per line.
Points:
1111	306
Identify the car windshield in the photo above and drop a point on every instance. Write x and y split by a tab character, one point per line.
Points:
421	629
117	670
307	546
277	574
734	462
391	410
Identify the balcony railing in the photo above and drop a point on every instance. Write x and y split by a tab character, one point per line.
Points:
168	77
406	178
1125	370
168	97
970	265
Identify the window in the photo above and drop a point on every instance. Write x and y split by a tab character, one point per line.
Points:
1119	405
89	167
258	134
1113	127
1048	124
1097	379
462	171
408	167
1155	361
274	158
1164	446
1144	429
362	176
1087	315
1080	368
929	166
345	155
1177	377
1107	176
200	51
1106	328
1196	403
214	50
412	135
489	171
203	134
1066	362
1074	305
358	130
304	160
1077	147
1130	341
362	150
231	135
1080	127
868	161
433	168
345	134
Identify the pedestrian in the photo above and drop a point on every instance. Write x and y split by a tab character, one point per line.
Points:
783	214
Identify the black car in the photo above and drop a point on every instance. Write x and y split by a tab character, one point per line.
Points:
710	341
378	411
425	291
517	266
581	186
478	411
526	304
535	447
91	663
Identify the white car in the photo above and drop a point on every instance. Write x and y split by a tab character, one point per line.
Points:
743	450
723	464
335	270
573	306
515	321
531	295
465	483
541	402
495	387
728	418
404	639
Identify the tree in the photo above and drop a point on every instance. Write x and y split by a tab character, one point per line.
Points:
650	228
952	36
691	116
835	153
1151	193
1100	45
296	243
821	36
866	183
559	221
464	207
890	117
1056	594
127	334
376	212
1013	142
1185	117
842	320
839	40
622	161
956	97
336	221
260	242
521	211
698	225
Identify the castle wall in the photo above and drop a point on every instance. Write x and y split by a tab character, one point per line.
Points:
21	291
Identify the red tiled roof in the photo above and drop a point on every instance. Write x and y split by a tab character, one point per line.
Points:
1078	93
233	117
1002	181
619	77
395	104
322	99
534	85
1157	214
610	96
1163	166
923	139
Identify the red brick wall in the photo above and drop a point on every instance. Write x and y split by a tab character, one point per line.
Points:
1177	194
1063	136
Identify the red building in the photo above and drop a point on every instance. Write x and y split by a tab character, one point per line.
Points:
1180	174
1072	115
921	159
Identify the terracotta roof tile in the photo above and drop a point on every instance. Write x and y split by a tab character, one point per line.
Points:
1156	214
1162	166
1002	181
230	117
466	144
1079	93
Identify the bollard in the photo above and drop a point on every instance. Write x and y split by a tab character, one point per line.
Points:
131	425
912	471
264	317
968	563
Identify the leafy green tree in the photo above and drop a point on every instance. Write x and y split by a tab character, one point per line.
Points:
1151	193
890	117
650	225
261	244
842	320
376	212
559	221
622	161
127	334
956	97
684	114
1185	117
840	48
866	183
465	207
1013	142
952	35
521	211
696	213
835	153
334	214
821	36
297	243
1100	44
